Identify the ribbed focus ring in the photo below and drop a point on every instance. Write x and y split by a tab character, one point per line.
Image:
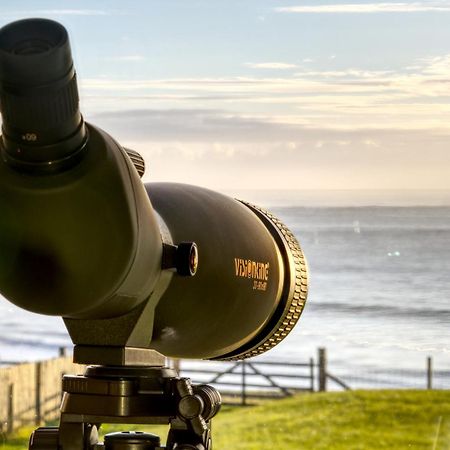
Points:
297	295
45	111
137	160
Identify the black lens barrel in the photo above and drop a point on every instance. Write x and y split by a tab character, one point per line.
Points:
43	129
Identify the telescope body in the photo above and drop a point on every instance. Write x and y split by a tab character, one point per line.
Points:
179	269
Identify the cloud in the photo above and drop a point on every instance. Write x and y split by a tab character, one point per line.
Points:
126	58
309	82
217	149
210	125
271	65
368	8
61	12
190	125
437	66
416	97
349	74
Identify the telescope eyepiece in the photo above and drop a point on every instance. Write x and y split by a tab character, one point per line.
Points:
43	129
33	37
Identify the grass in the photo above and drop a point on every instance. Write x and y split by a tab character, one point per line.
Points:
355	420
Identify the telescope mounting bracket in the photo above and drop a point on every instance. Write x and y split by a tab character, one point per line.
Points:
131	395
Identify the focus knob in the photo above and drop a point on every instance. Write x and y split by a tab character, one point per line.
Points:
137	160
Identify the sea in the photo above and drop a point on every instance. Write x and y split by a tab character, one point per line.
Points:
379	295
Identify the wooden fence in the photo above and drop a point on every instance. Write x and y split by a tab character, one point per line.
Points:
238	382
246	379
31	393
384	377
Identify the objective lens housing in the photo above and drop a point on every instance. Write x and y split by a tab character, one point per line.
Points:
251	285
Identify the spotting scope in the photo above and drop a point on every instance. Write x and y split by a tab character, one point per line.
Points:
180	269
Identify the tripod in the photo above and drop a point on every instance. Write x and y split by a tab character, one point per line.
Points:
133	395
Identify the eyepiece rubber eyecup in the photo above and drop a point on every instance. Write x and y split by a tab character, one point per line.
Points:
39	45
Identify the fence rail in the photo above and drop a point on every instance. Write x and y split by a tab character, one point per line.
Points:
256	379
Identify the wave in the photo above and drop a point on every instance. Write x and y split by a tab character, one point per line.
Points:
385	310
26	328
35	342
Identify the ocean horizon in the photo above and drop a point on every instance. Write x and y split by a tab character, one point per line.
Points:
343	197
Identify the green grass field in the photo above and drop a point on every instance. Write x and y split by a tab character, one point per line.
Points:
355	420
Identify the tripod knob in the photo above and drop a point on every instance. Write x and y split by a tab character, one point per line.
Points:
44	438
212	401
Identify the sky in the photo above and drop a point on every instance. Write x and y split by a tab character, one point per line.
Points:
267	94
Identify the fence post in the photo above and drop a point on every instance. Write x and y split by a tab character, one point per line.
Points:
244	385
429	373
38	399
176	364
62	352
311	372
10	426
61	384
322	378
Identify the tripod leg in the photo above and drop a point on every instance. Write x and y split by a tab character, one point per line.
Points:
77	436
187	440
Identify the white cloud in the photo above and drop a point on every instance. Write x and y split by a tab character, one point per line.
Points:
351	98
350	73
60	12
209	125
126	58
365	8
437	66
370	143
271	65
76	12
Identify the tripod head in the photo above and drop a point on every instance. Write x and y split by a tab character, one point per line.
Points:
136	271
